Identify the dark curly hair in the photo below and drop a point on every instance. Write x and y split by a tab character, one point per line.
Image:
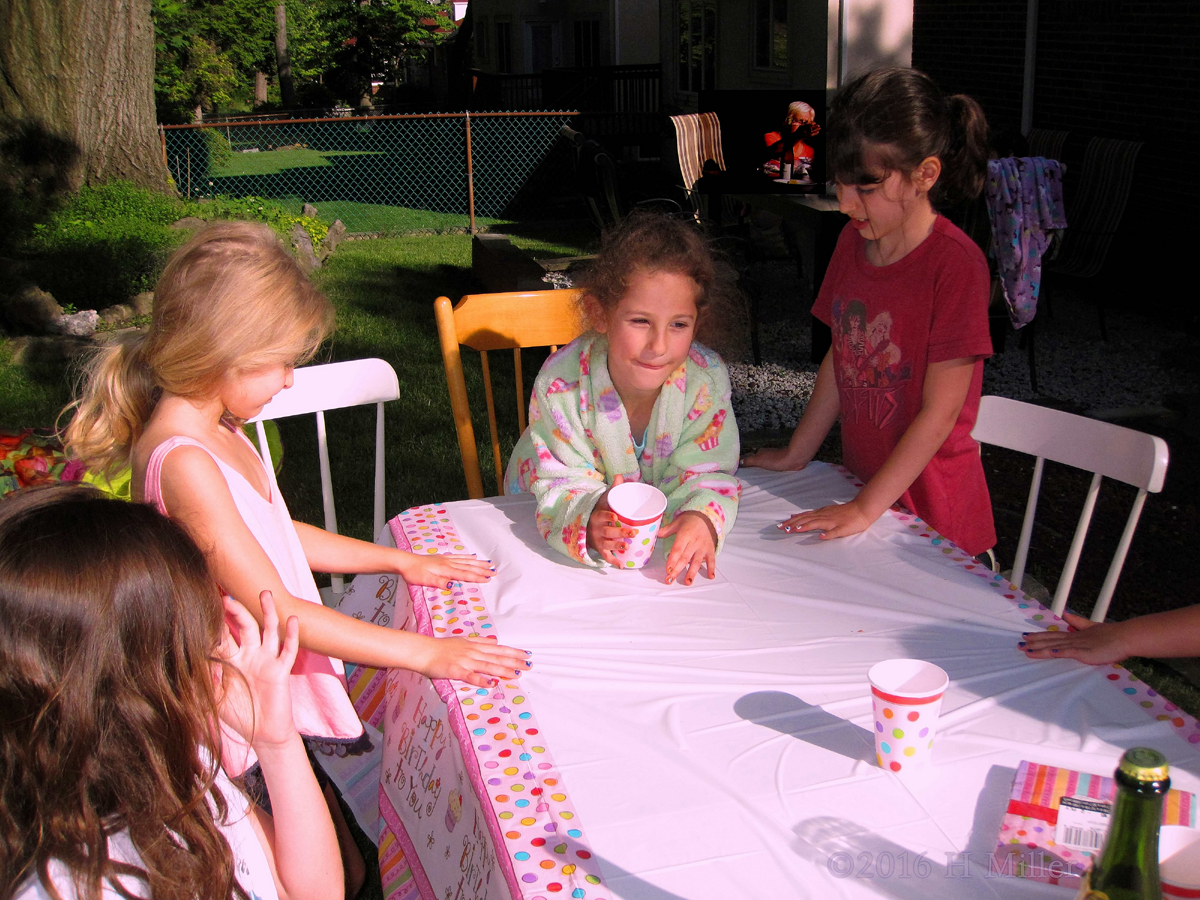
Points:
109	622
655	242
890	119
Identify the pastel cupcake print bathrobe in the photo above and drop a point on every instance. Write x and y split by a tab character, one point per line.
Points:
578	441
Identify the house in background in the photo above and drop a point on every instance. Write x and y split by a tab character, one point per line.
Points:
526	37
771	44
701	44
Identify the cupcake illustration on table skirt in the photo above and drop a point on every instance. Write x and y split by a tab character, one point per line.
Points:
454	809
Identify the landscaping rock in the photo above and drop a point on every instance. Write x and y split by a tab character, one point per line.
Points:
114	314
336	234
32	308
305	255
191	223
308	210
143	303
80	324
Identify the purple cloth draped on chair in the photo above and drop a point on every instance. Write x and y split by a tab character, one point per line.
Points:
1025	205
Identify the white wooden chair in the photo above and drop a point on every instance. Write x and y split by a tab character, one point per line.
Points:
334	386
1101	448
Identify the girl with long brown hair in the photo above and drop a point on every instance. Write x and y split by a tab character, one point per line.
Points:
116	670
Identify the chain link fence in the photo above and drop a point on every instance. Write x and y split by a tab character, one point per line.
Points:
383	175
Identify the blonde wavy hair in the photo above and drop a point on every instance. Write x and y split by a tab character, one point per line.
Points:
231	299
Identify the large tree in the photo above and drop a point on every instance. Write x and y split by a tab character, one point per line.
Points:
210	53
77	82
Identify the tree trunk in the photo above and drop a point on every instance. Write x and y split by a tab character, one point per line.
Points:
283	62
80	74
260	88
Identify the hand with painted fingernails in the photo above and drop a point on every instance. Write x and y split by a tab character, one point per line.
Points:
478	661
441	570
606	535
695	545
833	521
1094	643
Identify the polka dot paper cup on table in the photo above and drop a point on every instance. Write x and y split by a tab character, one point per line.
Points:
906	697
1179	861
640	507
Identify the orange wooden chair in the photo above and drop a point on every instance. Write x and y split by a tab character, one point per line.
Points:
486	322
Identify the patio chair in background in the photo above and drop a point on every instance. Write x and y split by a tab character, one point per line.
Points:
1046	142
334	386
1101	448
697	140
487	322
1095	210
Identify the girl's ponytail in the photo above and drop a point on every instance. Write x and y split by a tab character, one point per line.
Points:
964	163
115	403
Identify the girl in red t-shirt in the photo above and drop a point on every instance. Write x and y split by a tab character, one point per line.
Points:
906	295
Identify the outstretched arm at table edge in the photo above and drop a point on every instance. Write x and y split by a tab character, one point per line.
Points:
327	552
945	392
822	411
1161	635
196	495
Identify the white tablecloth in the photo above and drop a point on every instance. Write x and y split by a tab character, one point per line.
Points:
715	738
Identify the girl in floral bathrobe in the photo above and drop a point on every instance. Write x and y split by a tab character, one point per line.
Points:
636	399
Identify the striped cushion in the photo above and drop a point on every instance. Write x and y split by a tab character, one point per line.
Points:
698	138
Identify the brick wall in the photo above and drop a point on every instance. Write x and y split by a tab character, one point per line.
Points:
1122	68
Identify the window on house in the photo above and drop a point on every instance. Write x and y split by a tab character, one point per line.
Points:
770	34
697	44
481	39
587	43
504	47
541	46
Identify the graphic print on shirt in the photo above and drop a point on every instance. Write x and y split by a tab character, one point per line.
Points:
870	368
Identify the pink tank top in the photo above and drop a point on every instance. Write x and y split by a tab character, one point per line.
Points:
320	704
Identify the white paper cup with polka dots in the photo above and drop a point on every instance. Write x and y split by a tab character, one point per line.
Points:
906	697
640	507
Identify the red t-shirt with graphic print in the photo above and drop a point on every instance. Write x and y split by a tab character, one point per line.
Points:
889	323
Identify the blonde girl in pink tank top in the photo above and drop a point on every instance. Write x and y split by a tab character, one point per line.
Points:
233	314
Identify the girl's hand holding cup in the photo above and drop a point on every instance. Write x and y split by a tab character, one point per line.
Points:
258	705
605	534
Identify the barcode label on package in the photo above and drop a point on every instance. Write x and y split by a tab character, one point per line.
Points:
1082	823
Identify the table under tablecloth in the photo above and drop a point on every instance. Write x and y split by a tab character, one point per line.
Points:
714	740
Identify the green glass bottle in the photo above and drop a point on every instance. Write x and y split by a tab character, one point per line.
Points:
1128	867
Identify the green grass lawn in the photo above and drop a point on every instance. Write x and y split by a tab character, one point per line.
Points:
271	162
372	218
